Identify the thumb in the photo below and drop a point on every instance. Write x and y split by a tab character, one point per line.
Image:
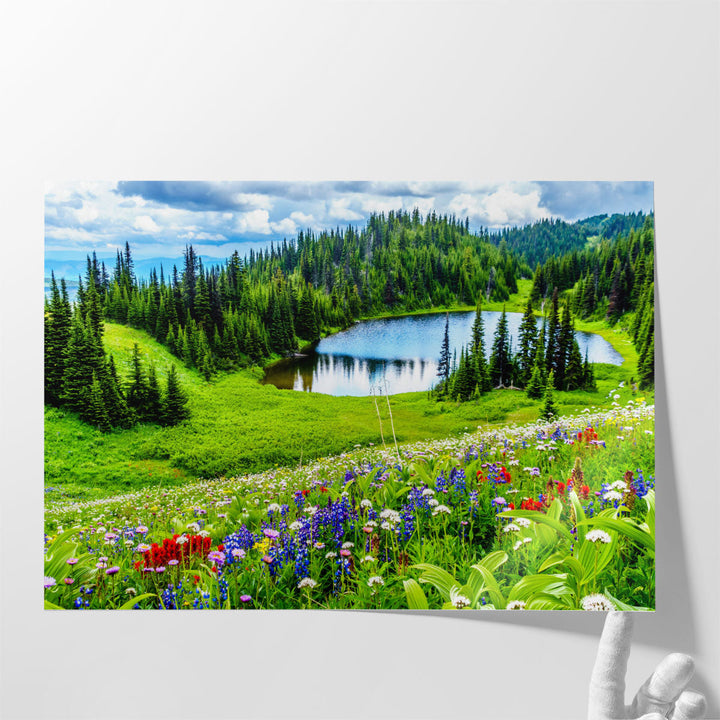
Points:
653	716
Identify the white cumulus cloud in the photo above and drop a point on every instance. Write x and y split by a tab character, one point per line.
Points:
255	221
286	226
503	207
339	210
145	223
302	218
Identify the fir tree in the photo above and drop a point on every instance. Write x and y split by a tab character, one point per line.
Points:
57	338
174	404
152	409
500	358
549	411
527	339
137	390
115	405
538	377
588	376
477	351
95	412
79	366
443	371
552	338
574	374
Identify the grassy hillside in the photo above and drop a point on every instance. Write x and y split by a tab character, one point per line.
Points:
239	426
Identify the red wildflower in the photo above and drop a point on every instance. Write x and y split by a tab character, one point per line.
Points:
511	506
530	504
324	489
305	492
584	491
561	488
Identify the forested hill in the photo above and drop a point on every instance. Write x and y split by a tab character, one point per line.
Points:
538	242
397	261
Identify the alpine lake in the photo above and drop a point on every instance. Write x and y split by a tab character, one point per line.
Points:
400	354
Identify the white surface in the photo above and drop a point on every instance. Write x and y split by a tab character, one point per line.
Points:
221	90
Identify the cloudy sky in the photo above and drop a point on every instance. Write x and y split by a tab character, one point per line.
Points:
159	219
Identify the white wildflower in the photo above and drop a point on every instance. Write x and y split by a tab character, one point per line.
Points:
348	545
598	536
522	522
515	605
596	602
428	492
612	495
274	507
512	527
441	509
375	580
295	525
330	555
458	600
432	502
365	503
307	583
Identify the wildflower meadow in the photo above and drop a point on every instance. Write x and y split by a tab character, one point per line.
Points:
544	516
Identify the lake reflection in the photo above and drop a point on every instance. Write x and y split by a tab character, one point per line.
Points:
401	352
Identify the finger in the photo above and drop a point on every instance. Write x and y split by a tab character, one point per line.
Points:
690	705
607	682
663	687
653	716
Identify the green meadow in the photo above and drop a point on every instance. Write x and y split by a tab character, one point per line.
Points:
239	426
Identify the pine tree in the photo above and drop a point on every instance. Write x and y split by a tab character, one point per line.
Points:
174	404
565	342
646	365
443	371
477	351
574	375
95	412
117	409
152	409
527	339
463	385
536	384
552	338
80	362
549	410
538	378
57	338
137	390
588	376
500	358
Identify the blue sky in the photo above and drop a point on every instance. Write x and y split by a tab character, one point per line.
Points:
159	219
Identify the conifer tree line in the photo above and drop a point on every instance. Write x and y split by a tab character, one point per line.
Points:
243	311
81	376
547	356
613	281
539	241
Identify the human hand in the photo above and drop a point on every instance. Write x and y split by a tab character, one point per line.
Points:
663	695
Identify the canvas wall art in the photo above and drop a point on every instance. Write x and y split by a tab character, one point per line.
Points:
349	395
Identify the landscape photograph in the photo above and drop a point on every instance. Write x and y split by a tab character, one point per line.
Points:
349	395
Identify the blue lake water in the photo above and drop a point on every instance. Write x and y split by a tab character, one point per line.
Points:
401	352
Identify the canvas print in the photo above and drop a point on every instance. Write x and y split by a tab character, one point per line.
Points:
349	395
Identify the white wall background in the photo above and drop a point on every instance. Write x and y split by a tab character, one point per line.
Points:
368	90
